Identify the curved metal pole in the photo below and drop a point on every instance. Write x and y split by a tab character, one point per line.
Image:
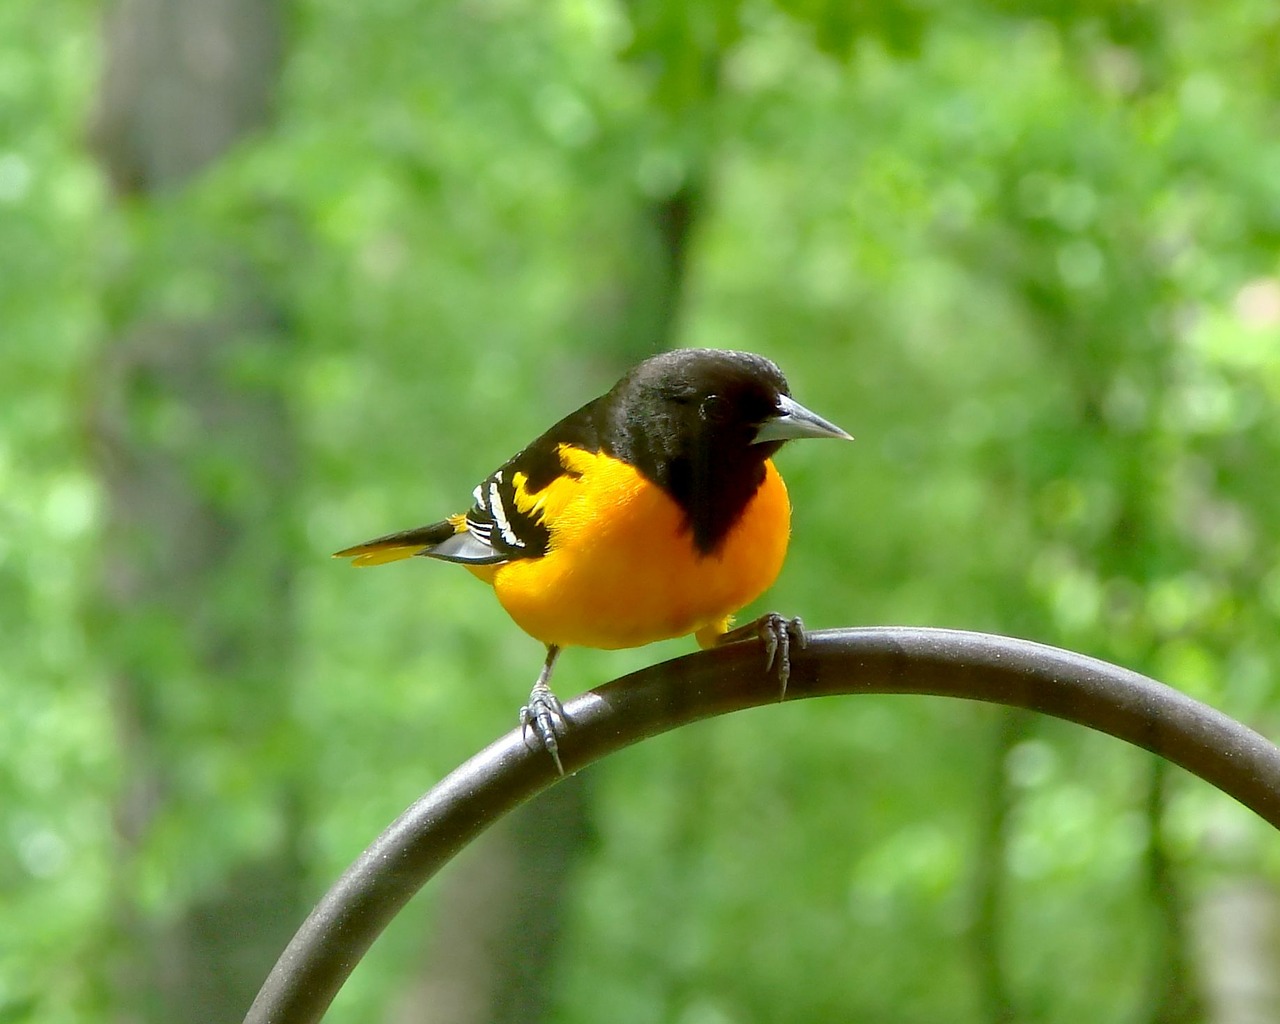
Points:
940	662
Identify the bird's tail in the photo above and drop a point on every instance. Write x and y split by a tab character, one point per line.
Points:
405	544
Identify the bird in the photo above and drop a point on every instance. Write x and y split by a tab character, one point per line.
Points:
654	511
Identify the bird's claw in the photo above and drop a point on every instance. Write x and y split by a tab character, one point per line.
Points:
544	714
778	633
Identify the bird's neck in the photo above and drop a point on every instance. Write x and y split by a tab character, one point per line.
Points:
713	485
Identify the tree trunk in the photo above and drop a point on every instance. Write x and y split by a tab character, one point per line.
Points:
196	455
1175	996
1238	933
990	878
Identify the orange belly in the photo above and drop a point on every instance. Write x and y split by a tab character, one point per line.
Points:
636	577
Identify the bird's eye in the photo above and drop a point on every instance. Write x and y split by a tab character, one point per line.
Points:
714	409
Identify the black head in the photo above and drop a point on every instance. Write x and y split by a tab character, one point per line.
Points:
701	423
697	392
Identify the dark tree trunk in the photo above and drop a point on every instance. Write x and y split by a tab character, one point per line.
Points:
183	81
1175	991
988	901
196	454
491	957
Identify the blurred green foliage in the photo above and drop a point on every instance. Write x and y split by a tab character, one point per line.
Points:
1026	253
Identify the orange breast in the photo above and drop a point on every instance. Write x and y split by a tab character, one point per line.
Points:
632	575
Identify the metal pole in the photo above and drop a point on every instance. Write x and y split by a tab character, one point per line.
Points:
950	663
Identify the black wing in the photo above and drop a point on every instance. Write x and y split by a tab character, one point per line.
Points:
495	521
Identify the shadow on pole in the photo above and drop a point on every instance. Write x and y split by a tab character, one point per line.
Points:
937	662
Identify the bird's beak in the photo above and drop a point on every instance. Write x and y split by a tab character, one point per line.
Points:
793	421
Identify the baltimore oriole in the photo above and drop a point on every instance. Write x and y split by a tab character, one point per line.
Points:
654	511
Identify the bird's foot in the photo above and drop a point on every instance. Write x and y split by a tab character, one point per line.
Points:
778	634
544	715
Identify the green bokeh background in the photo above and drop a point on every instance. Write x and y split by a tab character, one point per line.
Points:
1026	253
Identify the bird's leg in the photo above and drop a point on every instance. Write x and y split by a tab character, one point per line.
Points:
544	711
778	633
